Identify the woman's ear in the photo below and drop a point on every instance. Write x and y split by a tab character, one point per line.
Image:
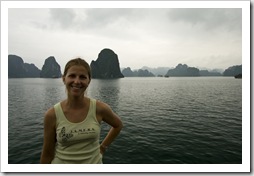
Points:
63	78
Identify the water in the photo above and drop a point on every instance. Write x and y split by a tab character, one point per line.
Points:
166	120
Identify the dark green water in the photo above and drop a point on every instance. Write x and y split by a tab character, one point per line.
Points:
166	120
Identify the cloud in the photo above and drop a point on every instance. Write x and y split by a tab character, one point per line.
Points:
63	17
209	18
106	17
140	36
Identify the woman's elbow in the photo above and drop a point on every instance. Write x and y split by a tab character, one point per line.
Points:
120	126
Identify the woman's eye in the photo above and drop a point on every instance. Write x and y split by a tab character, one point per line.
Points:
83	77
72	76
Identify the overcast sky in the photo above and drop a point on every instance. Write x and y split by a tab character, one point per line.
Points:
201	37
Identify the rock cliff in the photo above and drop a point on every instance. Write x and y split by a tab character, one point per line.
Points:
18	69
51	69
233	70
106	66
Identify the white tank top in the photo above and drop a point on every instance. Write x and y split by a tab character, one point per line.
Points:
77	143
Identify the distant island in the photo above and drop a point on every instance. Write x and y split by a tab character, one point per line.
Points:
18	69
185	70
127	72
181	70
106	66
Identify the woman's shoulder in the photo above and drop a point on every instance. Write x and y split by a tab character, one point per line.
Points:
104	110
101	106
50	114
106	114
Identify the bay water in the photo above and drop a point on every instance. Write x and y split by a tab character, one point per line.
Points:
176	120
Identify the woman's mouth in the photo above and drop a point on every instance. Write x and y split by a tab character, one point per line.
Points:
76	87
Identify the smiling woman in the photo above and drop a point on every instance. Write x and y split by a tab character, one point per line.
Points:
72	126
76	81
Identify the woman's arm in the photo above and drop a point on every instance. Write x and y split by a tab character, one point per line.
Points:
108	116
48	150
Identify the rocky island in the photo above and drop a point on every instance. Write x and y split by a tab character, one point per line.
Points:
233	71
51	69
18	69
106	65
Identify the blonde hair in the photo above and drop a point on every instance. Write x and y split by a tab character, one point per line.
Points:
77	61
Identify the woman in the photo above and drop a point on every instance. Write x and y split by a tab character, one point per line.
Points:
72	126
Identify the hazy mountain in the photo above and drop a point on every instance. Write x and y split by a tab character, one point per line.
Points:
209	73
157	71
127	72
183	70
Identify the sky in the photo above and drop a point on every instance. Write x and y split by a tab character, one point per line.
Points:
155	37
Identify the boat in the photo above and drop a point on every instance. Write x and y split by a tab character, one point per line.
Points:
239	76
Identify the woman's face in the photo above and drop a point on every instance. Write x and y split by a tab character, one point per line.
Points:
76	80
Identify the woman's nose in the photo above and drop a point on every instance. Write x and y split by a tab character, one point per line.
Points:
77	80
